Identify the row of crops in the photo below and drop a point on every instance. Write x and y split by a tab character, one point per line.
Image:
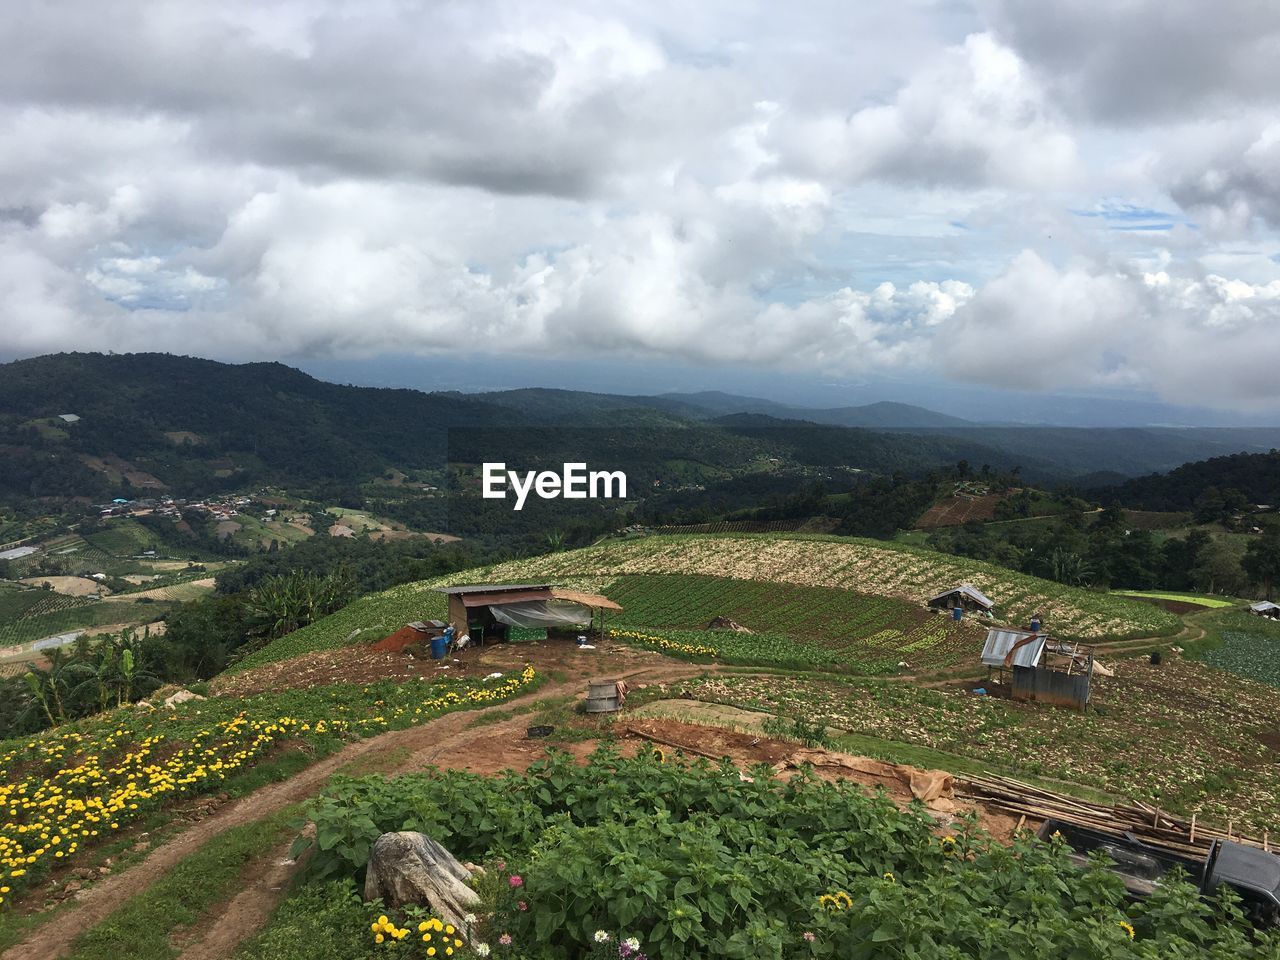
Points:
791	625
866	566
78	613
652	856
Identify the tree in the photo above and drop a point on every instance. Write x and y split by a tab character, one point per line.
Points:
1262	559
1217	570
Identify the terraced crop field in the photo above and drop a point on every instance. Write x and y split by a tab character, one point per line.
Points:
816	626
805	627
867	566
870	592
62	614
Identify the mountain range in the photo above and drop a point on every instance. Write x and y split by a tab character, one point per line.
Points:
197	425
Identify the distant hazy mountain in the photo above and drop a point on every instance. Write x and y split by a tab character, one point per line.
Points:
197	425
885	415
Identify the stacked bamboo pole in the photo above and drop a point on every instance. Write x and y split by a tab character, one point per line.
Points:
1143	820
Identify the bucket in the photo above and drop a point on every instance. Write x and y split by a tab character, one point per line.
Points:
602	696
957	613
439	647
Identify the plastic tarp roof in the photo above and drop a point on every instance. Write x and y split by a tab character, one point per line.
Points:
1000	642
542	613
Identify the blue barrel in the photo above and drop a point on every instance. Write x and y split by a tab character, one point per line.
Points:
1035	624
957	613
439	647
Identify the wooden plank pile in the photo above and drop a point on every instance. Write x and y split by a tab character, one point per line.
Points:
1148	823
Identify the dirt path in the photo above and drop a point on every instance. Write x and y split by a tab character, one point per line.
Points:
450	740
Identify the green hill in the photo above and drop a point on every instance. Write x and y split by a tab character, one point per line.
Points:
821	593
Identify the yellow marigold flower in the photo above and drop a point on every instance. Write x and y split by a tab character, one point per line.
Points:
890	877
1127	928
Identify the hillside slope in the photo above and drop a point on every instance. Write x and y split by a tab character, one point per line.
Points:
868	568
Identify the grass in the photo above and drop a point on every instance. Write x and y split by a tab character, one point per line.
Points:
144	927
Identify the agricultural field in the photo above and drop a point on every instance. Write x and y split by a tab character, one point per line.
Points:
57	613
16	600
64	791
1196	599
1181	734
652	856
1245	645
867	566
792	625
868	582
956	511
803	627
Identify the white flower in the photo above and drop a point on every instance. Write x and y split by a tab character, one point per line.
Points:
468	918
601	936
481	949
632	942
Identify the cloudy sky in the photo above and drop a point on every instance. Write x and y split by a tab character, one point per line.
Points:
1077	195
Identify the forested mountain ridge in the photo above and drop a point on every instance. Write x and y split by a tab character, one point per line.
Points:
1250	478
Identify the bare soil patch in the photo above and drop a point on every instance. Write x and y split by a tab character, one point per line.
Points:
71	586
362	664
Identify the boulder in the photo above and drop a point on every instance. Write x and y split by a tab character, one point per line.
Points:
410	867
182	696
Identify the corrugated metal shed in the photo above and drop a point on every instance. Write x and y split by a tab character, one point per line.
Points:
492	588
1263	606
1027	648
970	591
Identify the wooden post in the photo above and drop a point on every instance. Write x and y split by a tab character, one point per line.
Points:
1193	828
1231	824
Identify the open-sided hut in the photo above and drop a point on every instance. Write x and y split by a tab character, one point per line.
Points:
487	611
964	595
1265	608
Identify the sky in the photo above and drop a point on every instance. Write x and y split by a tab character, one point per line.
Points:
1009	199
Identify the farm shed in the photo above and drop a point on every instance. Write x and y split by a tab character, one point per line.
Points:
488	611
1043	669
964	595
1265	608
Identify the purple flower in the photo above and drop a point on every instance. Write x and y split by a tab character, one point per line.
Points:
515	880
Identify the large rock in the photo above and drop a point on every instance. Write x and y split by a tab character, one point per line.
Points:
182	696
409	867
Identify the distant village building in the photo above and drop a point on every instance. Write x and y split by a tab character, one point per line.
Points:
69	417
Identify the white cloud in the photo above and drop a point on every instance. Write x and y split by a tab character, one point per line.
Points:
1196	339
829	187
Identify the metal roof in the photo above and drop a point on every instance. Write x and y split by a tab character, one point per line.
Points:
493	587
1027	648
969	590
1263	605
